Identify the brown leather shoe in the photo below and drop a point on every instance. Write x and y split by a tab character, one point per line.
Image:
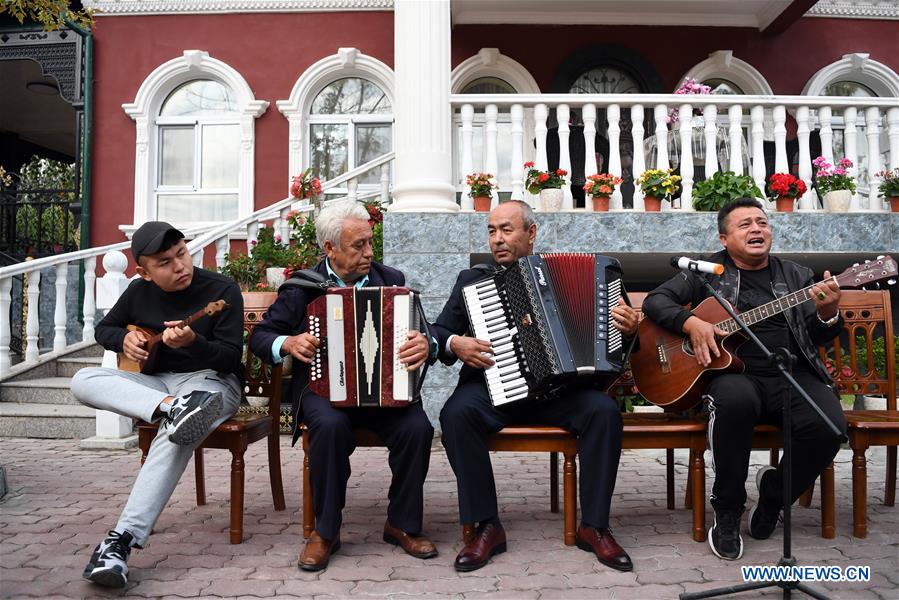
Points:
487	541
317	553
607	550
418	546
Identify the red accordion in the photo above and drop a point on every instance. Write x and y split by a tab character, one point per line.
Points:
361	330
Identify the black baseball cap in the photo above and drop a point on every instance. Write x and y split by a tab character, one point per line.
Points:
153	237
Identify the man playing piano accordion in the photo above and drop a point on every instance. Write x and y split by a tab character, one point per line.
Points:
345	235
469	416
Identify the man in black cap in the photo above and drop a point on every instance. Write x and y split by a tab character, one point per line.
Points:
193	387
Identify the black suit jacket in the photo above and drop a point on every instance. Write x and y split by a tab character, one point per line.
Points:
287	316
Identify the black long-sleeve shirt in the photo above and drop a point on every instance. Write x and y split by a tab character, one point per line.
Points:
219	341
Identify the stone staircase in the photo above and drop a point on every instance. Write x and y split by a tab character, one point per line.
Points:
39	404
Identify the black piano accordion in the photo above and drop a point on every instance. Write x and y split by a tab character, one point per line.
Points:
548	319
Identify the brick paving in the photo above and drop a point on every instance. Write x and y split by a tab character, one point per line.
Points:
63	499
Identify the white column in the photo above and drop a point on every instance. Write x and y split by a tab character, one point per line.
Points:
735	138
710	116
563	115
893	134
541	112
59	308
639	157
661	117
517	116
613	115
685	129
423	127
850	148
32	326
757	116
807	201
825	118
5	323
467	165
872	130
491	164
89	309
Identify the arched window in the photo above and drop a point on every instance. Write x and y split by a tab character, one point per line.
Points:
350	124
198	131
605	80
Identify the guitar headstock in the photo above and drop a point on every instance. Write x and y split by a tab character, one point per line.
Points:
869	272
214	308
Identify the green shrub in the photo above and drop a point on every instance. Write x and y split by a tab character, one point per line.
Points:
721	188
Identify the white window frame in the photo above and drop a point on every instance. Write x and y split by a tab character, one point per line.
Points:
155	89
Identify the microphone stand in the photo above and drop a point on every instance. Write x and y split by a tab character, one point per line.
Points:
782	359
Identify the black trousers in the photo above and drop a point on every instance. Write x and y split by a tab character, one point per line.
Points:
737	403
407	432
468	417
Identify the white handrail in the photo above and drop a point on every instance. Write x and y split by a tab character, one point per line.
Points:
673	99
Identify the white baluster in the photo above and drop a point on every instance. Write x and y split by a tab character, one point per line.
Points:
540	114
685	129
5	323
872	130
807	201
490	160
661	118
590	166
757	117
467	114
893	134
780	140
563	116
89	309
850	149
32	327
385	184
197	257
639	157
825	118
710	116
252	235
221	249
517	116
59	309
735	138
352	187
285	226
613	116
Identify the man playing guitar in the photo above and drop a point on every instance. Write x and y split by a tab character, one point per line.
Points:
738	402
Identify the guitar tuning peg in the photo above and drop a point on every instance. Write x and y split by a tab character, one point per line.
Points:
891	281
854	264
867	261
881	257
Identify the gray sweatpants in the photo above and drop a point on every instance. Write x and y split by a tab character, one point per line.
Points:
137	395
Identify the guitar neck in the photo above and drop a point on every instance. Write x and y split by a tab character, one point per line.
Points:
771	309
184	323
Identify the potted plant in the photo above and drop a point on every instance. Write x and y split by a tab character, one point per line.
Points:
546	184
658	185
785	189
722	187
600	188
480	186
889	187
834	183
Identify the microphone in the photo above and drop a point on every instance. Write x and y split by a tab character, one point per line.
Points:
697	266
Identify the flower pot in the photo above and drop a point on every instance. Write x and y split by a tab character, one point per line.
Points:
837	200
600	204
652	204
894	203
551	199
784	204
482	203
274	276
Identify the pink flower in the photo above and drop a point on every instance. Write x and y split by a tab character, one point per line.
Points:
529	164
845	163
819	162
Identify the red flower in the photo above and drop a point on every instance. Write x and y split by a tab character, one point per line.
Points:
561	172
543	177
529	164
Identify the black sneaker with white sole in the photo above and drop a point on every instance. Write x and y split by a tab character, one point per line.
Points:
108	565
764	516
724	536
192	415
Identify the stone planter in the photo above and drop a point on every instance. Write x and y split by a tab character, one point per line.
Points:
551	199
837	200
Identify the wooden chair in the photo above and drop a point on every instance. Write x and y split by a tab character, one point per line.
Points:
241	430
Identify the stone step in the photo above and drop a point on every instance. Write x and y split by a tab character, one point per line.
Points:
39	420
45	390
67	367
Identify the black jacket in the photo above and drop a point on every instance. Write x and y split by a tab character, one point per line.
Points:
665	304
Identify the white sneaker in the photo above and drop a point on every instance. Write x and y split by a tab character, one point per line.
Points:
108	565
191	416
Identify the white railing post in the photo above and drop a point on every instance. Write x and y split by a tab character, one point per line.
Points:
59	310
613	116
825	120
467	114
806	202
540	114
685	130
89	310
710	116
197	256
221	249
252	235
385	184
32	326
285	226
639	157
661	118
757	118
893	135
735	138
850	149
590	167
5	323
490	161
780	139
517	116
872	130
563	115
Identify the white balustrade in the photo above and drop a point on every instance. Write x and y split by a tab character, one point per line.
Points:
467	114
710	131
639	158
5	324
613	116
850	148
757	117
893	135
221	249
563	116
825	121
490	160
872	131
59	312
590	166
806	202
90	304
32	327
661	118
735	138
685	129
517	167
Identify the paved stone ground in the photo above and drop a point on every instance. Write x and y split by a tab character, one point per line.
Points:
62	500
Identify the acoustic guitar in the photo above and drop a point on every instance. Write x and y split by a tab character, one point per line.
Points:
153	345
665	369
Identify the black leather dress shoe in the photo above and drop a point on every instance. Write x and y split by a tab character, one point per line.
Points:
603	545
487	541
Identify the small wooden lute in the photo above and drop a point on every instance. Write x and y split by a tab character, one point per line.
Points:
153	345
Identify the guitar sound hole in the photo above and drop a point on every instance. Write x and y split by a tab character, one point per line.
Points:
687	347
